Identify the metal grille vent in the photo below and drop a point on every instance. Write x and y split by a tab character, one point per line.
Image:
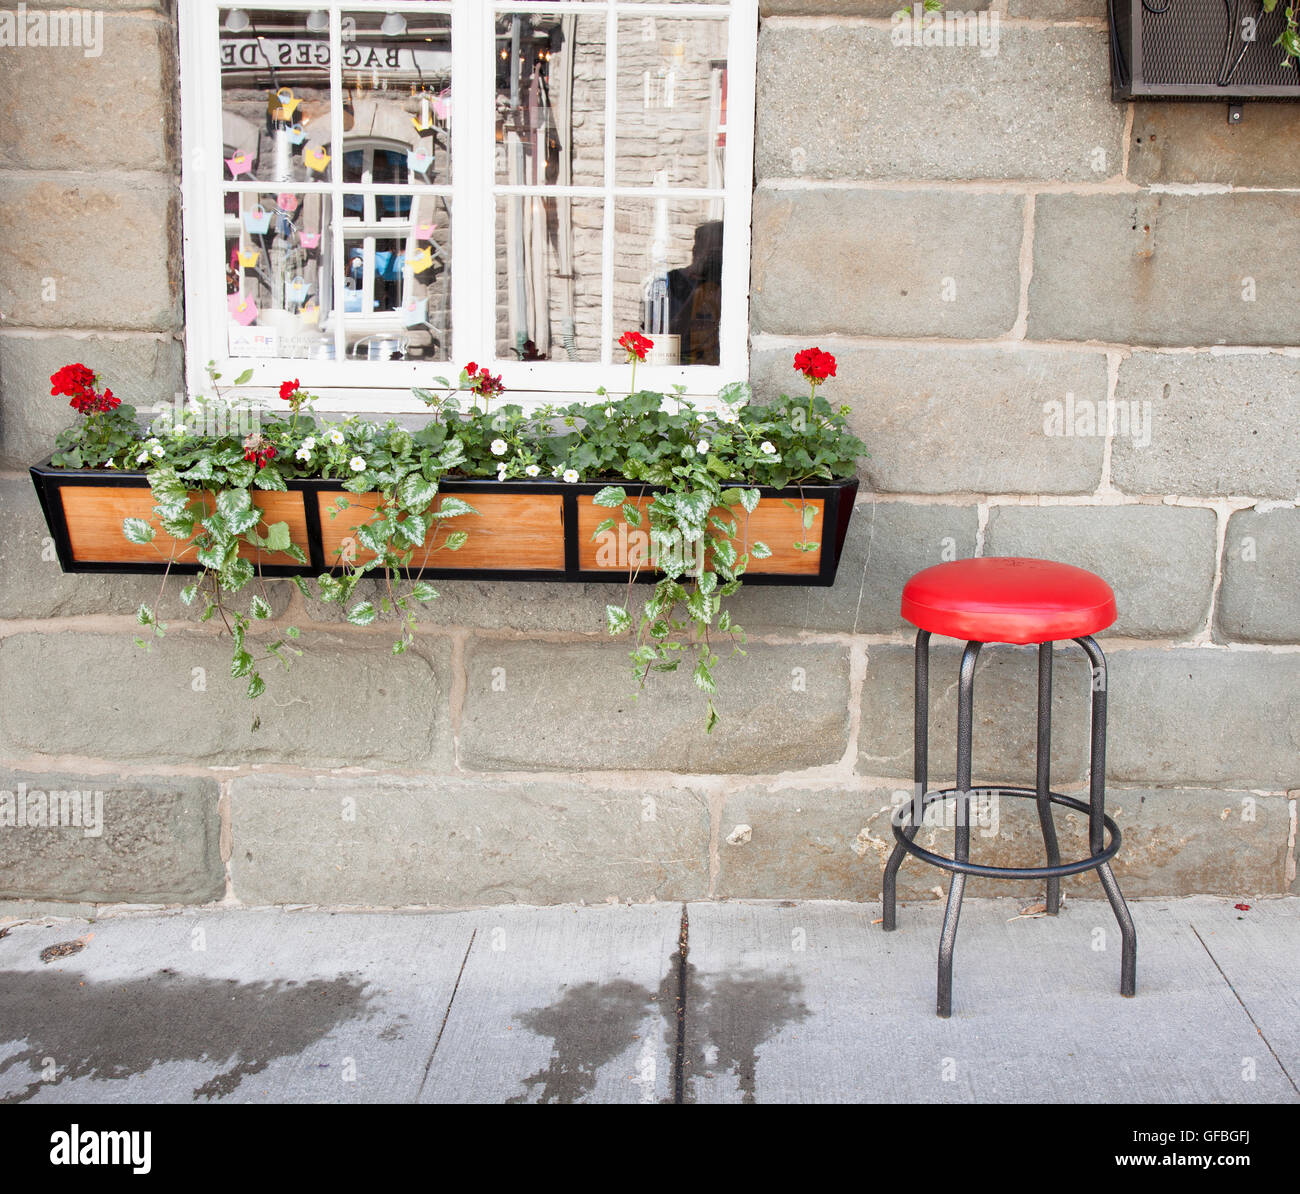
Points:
1186	43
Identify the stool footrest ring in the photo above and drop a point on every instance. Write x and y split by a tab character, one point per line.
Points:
902	822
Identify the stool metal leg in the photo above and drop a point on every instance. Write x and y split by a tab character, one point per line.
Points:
957	888
1044	784
920	771
1097	806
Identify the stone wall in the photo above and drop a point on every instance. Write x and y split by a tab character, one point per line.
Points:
975	237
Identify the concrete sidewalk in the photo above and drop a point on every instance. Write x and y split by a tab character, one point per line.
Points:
789	1002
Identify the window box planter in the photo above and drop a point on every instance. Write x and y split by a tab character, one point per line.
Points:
524	530
1194	50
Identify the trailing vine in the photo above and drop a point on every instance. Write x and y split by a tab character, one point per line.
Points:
686	478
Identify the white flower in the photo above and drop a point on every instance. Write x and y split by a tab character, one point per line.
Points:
702	417
143	458
303	453
336	436
555	472
109	464
178	430
533	470
158	449
501	471
768	447
609	412
702	447
570	476
727	415
356	464
499	447
309	444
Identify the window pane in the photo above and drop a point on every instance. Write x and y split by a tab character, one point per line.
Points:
668	275
550	105
672	101
277	273
396	277
548	277
397	93
275	96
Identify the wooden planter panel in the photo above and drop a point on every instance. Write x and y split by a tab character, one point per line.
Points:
94	516
773	522
522	532
539	531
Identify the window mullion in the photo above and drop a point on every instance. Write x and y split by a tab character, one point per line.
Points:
607	230
471	236
336	175
742	47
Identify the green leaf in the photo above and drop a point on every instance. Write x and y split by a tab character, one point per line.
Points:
617	619
243	520
807	546
243	378
452	507
237	575
231	501
362	614
703	678
760	550
270	477
303	587
456	540
137	530
749	498
611	495
259	607
415	493
809	516
277	537
412	529
605	525
189	592
144	615
200	470
632	514
422	590
256	686
241	663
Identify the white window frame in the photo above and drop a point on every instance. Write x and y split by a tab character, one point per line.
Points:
368	386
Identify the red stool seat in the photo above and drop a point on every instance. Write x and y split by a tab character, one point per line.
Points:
1007	599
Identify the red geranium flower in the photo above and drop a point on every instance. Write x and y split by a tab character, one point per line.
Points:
72	380
814	364
258	449
635	345
482	382
78	383
288	389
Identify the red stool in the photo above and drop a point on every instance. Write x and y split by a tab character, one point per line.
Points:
1009	600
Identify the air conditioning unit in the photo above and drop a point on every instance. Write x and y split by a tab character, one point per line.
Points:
1199	50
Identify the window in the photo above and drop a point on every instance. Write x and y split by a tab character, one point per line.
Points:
400	189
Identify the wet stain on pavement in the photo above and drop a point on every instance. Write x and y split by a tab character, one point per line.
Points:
714	1024
728	1016
589	1026
114	1030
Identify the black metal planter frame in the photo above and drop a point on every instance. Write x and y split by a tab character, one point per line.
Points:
1194	50
908	819
837	498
